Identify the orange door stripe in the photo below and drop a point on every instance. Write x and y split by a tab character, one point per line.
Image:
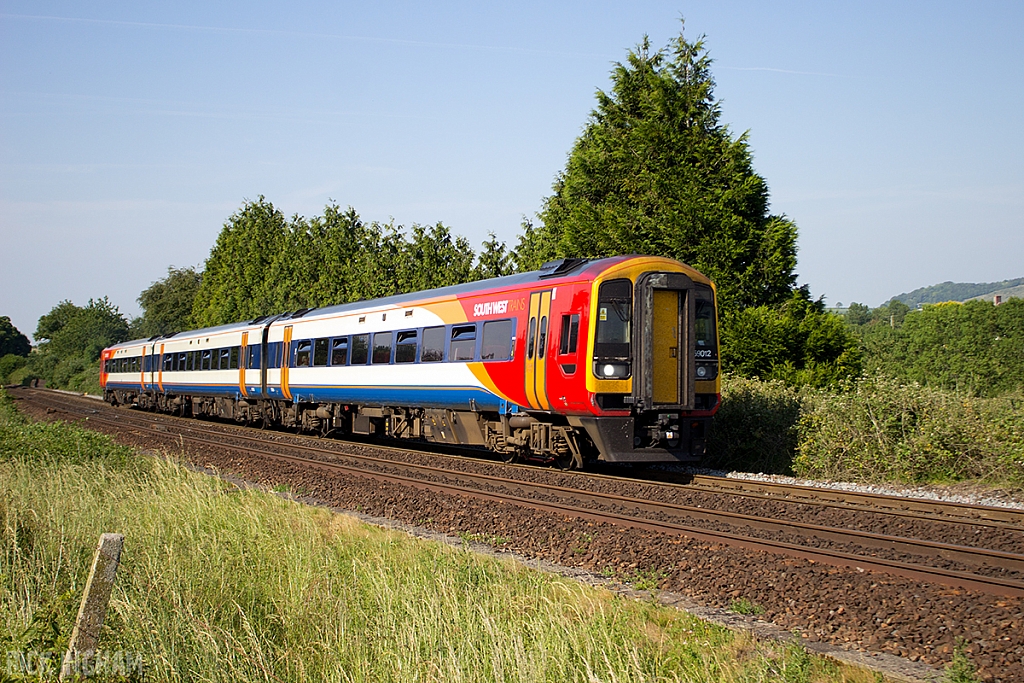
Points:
160	371
285	357
241	364
544	314
531	362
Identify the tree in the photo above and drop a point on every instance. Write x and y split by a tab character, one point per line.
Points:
857	314
656	172
434	258
973	347
70	339
70	331
237	280
494	260
167	303
264	263
798	342
12	341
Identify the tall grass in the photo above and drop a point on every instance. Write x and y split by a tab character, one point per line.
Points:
221	584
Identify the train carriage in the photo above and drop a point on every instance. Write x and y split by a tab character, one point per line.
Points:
613	359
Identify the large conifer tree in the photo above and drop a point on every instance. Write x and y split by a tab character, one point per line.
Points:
656	172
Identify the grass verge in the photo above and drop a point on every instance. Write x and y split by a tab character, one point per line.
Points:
220	584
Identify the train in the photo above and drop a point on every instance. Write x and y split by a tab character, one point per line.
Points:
582	361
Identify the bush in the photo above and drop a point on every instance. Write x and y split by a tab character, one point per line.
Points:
882	430
873	430
756	427
8	365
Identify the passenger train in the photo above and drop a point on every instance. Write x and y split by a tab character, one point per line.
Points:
613	359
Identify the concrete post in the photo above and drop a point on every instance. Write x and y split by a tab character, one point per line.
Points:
94	604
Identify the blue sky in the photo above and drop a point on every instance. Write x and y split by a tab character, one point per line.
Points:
129	132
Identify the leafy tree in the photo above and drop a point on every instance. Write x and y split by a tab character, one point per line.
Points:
494	260
69	331
656	172
237	281
434	258
264	263
798	342
974	347
70	339
857	314
12	341
167	303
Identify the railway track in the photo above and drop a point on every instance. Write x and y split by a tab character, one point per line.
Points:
909	508
650	506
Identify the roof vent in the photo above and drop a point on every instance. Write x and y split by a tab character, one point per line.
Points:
561	267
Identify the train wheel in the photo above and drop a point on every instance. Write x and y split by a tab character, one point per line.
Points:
565	462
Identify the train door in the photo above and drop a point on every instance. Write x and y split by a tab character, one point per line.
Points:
160	370
286	356
142	368
536	350
264	360
663	376
665	355
243	365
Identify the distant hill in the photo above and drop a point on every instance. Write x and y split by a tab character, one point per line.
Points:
1017	292
960	291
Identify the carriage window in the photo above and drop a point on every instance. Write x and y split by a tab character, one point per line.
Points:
233	357
704	328
433	345
360	348
382	347
320	352
531	338
463	346
339	351
570	334
276	354
302	350
405	349
225	359
614	310
497	343
253	361
543	341
207	355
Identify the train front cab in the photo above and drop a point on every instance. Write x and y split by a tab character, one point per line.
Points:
654	365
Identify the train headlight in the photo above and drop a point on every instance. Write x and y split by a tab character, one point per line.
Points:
706	370
611	370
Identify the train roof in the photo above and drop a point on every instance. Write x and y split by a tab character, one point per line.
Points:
184	333
554	271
